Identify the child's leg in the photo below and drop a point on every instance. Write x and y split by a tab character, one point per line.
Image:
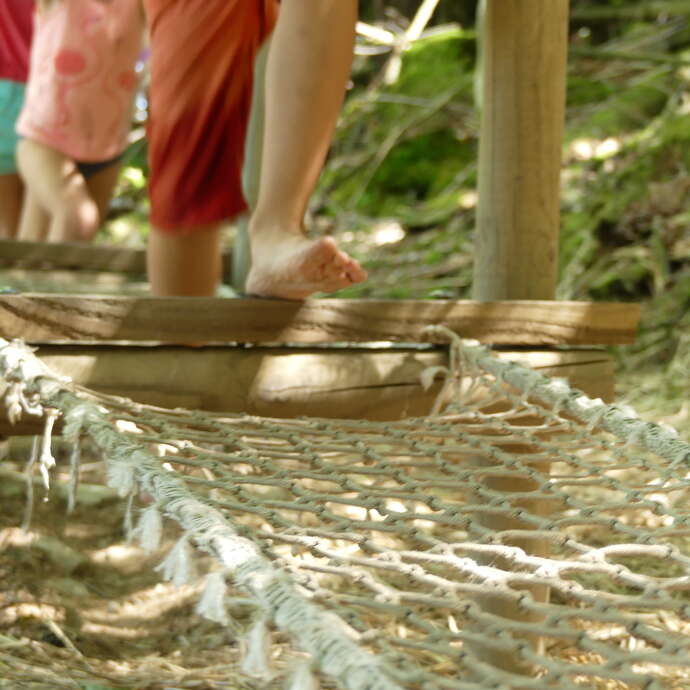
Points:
60	189
202	52
11	195
302	105
34	221
101	185
184	264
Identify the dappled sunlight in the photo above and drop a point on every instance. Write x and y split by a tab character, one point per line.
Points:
468	200
125	558
587	149
388	232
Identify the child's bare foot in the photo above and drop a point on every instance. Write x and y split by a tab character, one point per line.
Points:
291	266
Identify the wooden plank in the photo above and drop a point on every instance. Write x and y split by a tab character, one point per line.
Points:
78	257
282	382
356	383
73	256
46	318
60	281
523	114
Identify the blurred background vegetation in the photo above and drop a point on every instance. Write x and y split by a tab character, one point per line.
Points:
399	184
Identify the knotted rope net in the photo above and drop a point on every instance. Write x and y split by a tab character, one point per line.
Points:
522	535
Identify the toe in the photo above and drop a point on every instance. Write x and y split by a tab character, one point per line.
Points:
355	272
322	251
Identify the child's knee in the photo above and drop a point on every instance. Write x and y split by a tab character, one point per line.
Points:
78	218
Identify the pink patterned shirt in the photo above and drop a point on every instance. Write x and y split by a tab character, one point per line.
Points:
82	77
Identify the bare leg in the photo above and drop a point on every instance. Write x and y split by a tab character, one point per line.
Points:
101	185
11	193
34	221
186	264
308	67
60	189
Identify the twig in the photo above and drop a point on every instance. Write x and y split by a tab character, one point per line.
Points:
599	54
7	642
60	634
645	10
391	70
376	34
396	134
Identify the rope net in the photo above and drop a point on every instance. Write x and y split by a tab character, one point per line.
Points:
520	536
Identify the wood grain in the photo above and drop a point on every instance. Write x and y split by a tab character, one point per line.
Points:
521	139
79	257
46	318
355	383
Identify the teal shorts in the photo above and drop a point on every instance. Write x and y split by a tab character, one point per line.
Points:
11	99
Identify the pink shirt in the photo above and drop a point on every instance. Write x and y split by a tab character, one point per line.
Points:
82	78
16	27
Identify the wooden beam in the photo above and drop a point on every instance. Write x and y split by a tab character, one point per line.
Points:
79	257
524	50
524	58
356	383
73	256
17	280
46	318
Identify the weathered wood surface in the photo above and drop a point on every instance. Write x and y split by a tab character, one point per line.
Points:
73	256
63	281
524	51
78	257
358	383
46	318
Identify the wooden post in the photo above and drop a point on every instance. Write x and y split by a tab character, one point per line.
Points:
523	112
251	173
524	53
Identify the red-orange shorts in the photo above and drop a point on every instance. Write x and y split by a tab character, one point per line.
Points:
202	62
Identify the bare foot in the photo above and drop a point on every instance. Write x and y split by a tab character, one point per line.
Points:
291	266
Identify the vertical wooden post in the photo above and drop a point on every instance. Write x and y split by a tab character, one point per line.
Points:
523	114
251	172
524	61
489	602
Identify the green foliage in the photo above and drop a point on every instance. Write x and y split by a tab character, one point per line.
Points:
616	111
418	169
401	146
615	240
583	91
436	60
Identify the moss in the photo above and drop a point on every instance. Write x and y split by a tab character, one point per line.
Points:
403	146
435	60
418	170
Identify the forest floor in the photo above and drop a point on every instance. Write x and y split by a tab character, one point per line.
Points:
83	609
